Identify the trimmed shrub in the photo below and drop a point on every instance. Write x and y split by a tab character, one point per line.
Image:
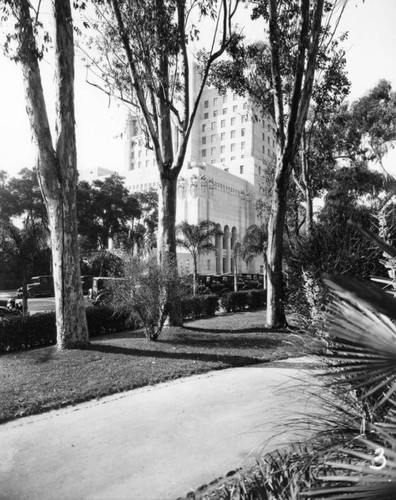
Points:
234	301
18	332
199	306
256	299
246	299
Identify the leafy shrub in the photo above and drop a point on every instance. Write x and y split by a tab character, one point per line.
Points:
199	306
18	332
239	301
149	292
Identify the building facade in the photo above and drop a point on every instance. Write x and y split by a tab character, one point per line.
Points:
230	147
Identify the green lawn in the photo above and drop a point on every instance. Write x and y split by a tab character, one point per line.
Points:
42	379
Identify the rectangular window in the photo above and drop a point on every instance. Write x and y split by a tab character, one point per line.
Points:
269	152
243	118
222	149
212	162
233	146
213	151
232	158
233	134
222	160
208	265
263	136
224	98
241	169
206	104
234	97
206	116
263	149
222	123
242	145
139	164
215	99
204	127
233	120
215	113
203	153
235	108
213	126
269	140
224	111
243	132
203	140
222	136
213	138
147	163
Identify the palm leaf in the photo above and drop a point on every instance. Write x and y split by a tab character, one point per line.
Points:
362	293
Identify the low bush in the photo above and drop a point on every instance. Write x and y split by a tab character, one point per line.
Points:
239	301
199	306
18	332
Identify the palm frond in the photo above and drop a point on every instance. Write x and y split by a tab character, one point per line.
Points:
362	350
362	293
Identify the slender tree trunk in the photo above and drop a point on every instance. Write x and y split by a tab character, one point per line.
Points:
195	274
276	317
57	168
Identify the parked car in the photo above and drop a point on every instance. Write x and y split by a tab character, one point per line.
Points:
218	284
9	307
252	280
39	286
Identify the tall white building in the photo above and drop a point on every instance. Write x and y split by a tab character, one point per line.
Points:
231	145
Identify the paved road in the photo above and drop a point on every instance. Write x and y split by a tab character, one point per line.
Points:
153	443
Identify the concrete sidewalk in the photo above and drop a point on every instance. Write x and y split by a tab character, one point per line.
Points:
153	443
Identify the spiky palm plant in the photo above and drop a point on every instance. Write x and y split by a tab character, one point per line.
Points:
362	358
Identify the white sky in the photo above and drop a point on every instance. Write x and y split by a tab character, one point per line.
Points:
371	55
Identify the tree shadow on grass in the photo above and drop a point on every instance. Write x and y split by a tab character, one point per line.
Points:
226	359
235	342
255	329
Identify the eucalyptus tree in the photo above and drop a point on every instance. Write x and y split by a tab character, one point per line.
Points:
279	75
57	162
148	57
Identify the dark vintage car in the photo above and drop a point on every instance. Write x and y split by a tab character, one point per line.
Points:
39	286
252	281
218	284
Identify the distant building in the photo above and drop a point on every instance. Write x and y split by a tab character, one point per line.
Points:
230	146
91	174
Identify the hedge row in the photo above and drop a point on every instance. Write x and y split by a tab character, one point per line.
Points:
200	306
18	332
240	301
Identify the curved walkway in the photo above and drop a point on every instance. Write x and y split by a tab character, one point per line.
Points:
153	443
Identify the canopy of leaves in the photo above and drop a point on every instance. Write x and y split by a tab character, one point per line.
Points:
105	208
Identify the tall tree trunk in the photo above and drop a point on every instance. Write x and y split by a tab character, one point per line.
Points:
57	168
167	232
276	317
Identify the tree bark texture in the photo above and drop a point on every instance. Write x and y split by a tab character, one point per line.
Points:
288	139
57	167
